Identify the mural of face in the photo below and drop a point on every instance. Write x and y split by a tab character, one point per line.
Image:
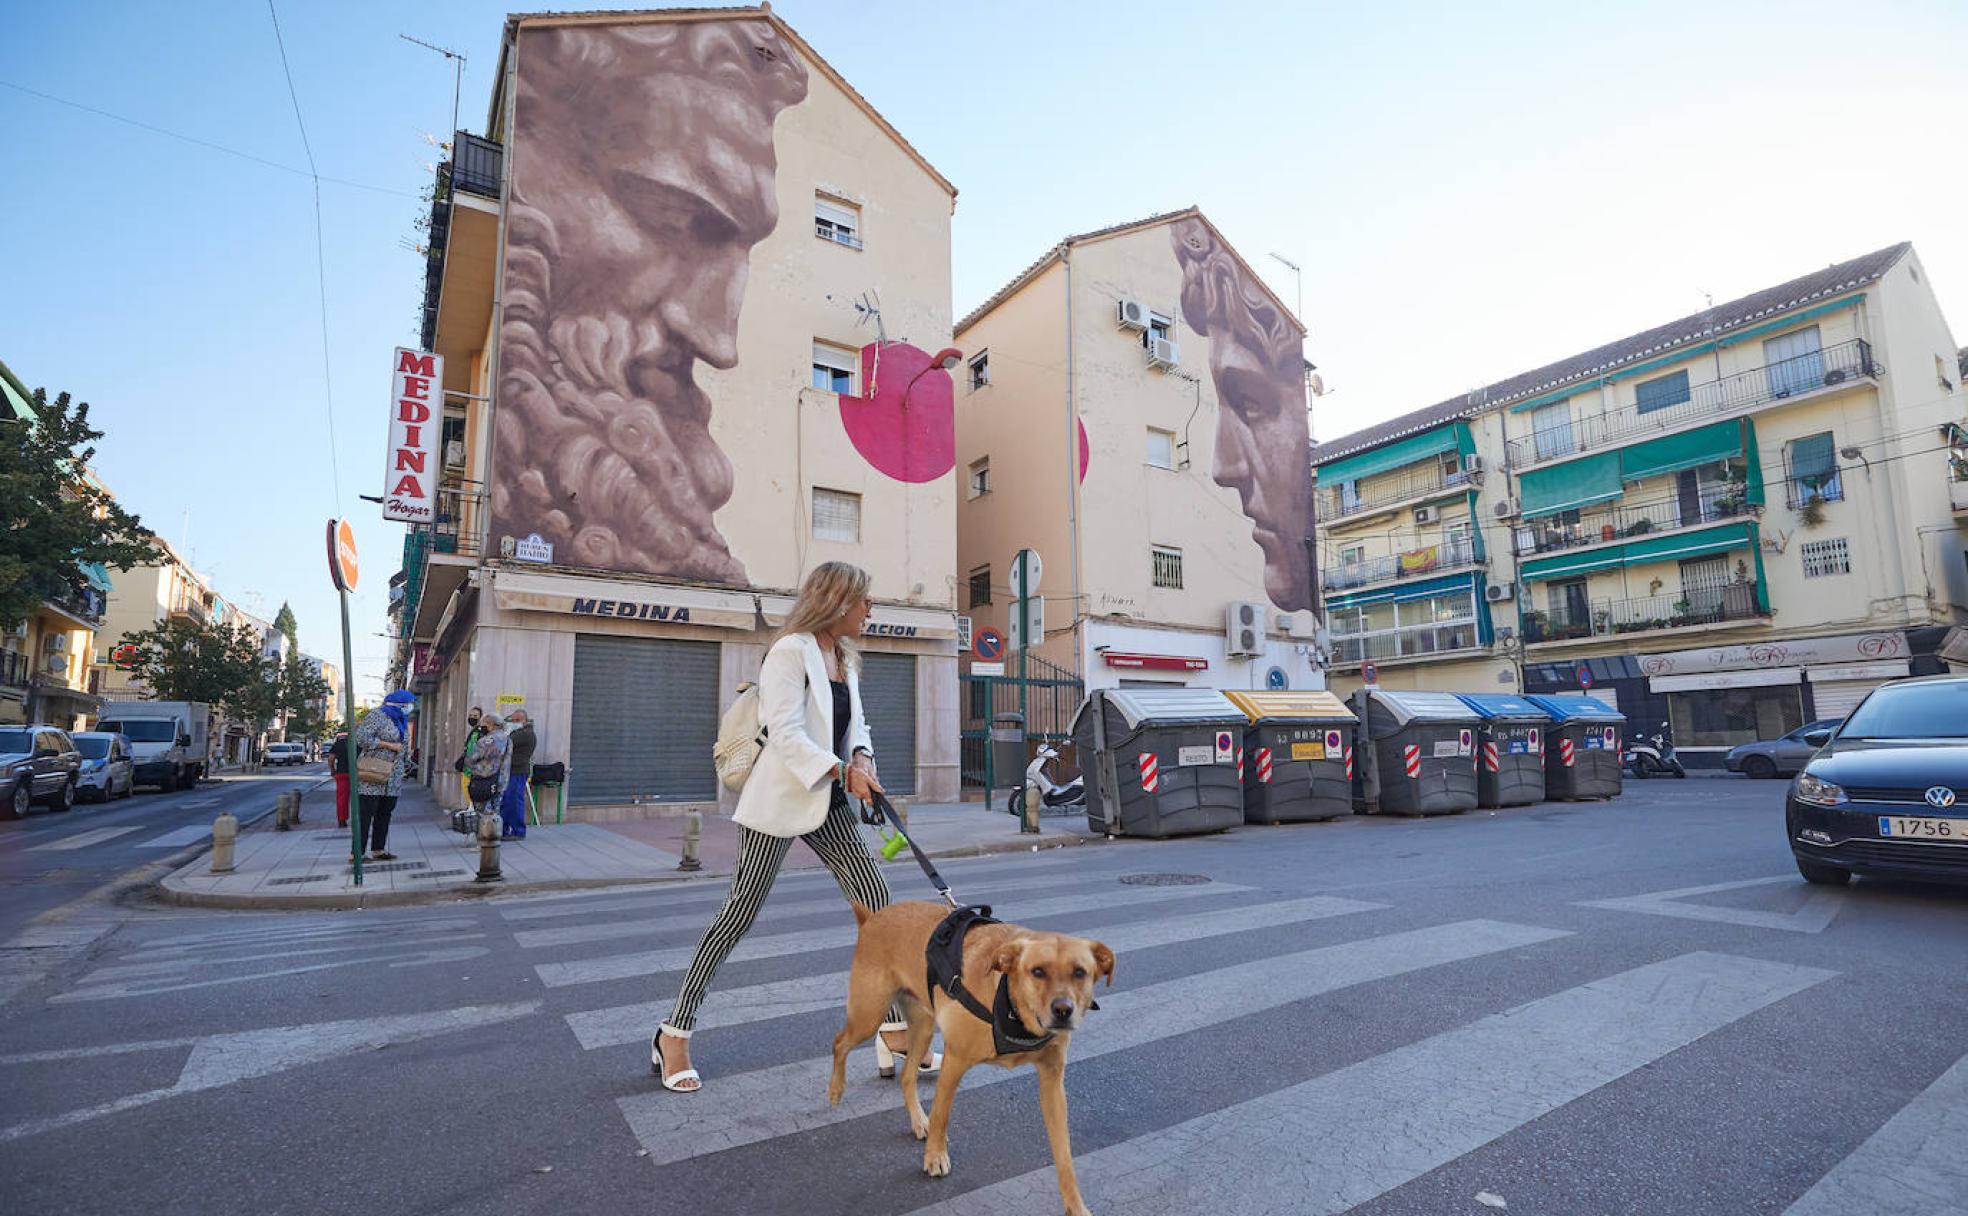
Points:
1257	365
642	176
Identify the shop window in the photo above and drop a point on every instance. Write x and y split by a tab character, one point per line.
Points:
1725	717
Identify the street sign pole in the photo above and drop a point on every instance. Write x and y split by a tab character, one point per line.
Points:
342	572
1024	634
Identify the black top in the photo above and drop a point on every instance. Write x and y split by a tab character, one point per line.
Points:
843	710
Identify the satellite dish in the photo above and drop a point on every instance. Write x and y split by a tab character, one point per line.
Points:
1317	384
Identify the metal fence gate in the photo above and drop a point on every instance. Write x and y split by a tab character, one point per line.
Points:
1052	696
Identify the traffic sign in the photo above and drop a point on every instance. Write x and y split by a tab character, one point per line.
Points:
1027	612
341	554
1276	679
1025	571
987	669
1369	674
1585	676
988	645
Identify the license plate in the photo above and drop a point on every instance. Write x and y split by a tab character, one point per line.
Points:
1923	829
1308	751
1195	755
1447	747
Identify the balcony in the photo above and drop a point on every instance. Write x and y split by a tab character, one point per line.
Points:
462	246
13	669
84	607
1621	521
438	560
1439	556
1420	642
1607	617
1820	371
461	519
191	608
1417	484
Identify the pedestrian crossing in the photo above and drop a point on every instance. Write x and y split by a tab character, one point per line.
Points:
82	840
177	838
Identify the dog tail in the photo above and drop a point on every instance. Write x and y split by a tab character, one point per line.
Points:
861	912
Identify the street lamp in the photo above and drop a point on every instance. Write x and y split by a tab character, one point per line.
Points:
944	360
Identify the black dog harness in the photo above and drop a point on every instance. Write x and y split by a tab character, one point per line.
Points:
1009	1034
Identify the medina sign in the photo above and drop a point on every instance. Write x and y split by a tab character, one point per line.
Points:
416	418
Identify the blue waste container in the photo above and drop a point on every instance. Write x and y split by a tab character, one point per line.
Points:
1583	760
1509	749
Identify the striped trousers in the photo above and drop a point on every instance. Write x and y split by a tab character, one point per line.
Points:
838	844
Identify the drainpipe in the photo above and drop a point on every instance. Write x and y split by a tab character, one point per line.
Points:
1073	474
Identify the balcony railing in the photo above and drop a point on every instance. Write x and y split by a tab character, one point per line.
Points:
1416	642
1416	481
13	669
475	167
1620	521
1601	618
461	519
1445	553
86	604
1794	377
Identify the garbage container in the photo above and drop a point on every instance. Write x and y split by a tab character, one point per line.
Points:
1160	762
1292	758
1509	749
1583	760
1008	758
1416	752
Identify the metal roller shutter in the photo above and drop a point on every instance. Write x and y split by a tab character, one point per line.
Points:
888	698
1836	698
645	716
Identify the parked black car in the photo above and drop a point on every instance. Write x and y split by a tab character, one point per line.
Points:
1888	794
37	764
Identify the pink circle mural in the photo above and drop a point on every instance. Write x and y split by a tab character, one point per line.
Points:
1086	453
913	440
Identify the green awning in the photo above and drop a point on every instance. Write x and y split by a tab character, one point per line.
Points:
1407	593
97	576
1753	485
1566	565
1569	486
1687	450
1454	437
1688	544
1812	462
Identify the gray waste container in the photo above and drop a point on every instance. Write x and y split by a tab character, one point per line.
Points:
1293	756
1416	752
1583	759
1160	762
1509	749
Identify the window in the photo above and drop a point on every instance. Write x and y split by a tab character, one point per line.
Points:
980	477
836	516
1813	462
1161	448
1724	717
1659	394
1451	463
1940	374
837	221
834	368
1430	625
1551	427
1704	586
1158	327
1167	567
1567	609
1349	497
1352	555
1824	558
980	370
980	587
1794	362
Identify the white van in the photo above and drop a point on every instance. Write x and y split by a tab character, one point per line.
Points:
168	739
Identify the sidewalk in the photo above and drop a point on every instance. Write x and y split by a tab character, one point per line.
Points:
308	867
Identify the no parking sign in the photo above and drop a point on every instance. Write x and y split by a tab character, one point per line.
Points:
1226	747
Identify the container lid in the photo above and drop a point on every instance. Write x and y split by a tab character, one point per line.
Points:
1268	705
1169	706
1409	707
1493	705
1577	709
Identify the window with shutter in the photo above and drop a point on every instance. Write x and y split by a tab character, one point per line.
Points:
837	221
836	516
834	368
1814	469
1652	395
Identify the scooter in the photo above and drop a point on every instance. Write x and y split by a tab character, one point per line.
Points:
1650	754
1052	795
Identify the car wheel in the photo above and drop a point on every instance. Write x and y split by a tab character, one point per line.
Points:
1829	876
65	798
22	800
1759	768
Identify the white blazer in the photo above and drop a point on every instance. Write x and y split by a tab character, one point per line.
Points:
790	785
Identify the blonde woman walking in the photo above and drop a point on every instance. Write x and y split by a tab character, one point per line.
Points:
817	755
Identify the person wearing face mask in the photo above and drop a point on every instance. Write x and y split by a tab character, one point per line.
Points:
512	804
463	762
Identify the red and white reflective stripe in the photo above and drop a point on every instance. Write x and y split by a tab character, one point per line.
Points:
1240	765
1349	764
1411	756
1151	777
1565	752
1490	756
1264	766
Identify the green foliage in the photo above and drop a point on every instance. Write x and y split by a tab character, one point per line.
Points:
181	660
284	622
53	518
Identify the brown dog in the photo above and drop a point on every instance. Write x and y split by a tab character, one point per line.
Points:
1049	979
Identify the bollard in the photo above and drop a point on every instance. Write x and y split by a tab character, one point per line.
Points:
693	832
488	848
286	811
225	829
1028	822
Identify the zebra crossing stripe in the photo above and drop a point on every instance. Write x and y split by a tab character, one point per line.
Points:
778	945
81	840
788	1098
1355	1134
783	998
1915	1165
189	834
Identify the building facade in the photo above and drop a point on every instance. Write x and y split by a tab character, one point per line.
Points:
688	296
1133	410
1735	523
144	597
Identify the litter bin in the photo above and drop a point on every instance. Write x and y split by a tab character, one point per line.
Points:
1292	759
1417	753
1583	760
1160	762
1509	749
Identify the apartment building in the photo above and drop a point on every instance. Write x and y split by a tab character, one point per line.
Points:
141	598
690	293
1133	410
1736	522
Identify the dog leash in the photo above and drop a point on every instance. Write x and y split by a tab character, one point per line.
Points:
882	812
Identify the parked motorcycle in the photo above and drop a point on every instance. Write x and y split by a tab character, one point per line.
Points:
1052	795
1647	755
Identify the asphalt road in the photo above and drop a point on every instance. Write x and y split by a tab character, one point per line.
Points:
1634	1007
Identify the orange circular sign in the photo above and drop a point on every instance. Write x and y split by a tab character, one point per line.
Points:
341	554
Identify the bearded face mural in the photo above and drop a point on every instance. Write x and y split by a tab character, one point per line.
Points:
642	176
1257	365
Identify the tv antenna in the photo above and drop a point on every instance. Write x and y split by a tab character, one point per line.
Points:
457	76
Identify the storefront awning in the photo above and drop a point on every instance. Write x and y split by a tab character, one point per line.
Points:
886	621
1569	486
622	600
1454	437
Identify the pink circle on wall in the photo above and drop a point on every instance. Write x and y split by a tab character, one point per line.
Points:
916	442
1086	452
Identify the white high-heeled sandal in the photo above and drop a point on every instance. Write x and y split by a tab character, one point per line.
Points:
672	1081
885	1058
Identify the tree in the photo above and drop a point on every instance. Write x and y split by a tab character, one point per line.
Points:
284	622
303	697
181	660
55	518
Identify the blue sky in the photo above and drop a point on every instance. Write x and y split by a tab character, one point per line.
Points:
1471	190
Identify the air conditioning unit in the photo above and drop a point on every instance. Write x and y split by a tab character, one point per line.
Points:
1163	352
58	664
1427	515
454	453
57	643
1132	314
1506	508
1473	465
1244	629
1497	593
